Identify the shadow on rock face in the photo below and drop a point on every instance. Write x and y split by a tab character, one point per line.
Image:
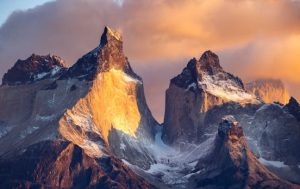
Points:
232	164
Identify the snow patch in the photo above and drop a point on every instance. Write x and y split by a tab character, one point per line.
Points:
122	146
40	75
127	78
46	118
28	131
226	89
55	70
277	164
175	166
192	85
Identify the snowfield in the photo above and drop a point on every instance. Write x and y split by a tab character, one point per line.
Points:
173	166
225	88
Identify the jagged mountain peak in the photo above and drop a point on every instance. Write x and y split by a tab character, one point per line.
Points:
210	63
229	127
293	101
202	85
231	163
34	68
293	108
108	35
206	74
108	55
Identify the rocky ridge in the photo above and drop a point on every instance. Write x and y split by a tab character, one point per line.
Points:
202	85
61	164
90	127
33	69
232	164
73	106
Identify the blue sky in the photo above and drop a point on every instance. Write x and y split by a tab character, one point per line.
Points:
8	6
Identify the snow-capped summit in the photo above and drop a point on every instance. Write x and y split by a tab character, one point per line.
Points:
108	55
201	85
90	127
34	68
206	74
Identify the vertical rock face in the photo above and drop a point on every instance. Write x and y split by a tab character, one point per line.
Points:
231	164
202	85
293	108
115	101
71	128
97	101
96	107
60	164
269	90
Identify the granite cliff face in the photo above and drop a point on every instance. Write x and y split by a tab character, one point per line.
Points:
97	105
202	85
269	90
88	126
231	164
114	107
203	93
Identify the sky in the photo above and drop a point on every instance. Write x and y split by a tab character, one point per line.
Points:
253	38
8	6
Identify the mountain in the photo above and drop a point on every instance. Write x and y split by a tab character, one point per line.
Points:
231	164
89	126
98	105
195	107
33	69
61	164
202	85
268	90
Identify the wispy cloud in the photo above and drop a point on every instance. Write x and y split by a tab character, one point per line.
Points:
254	38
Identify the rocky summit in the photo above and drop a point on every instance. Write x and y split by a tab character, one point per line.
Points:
231	164
33	69
89	126
202	85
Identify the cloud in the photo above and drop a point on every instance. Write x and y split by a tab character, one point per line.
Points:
254	38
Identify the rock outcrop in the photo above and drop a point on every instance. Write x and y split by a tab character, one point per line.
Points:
293	108
114	106
232	164
33	69
269	90
202	85
98	105
273	134
61	164
88	126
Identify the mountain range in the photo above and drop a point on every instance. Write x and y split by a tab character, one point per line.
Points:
89	126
